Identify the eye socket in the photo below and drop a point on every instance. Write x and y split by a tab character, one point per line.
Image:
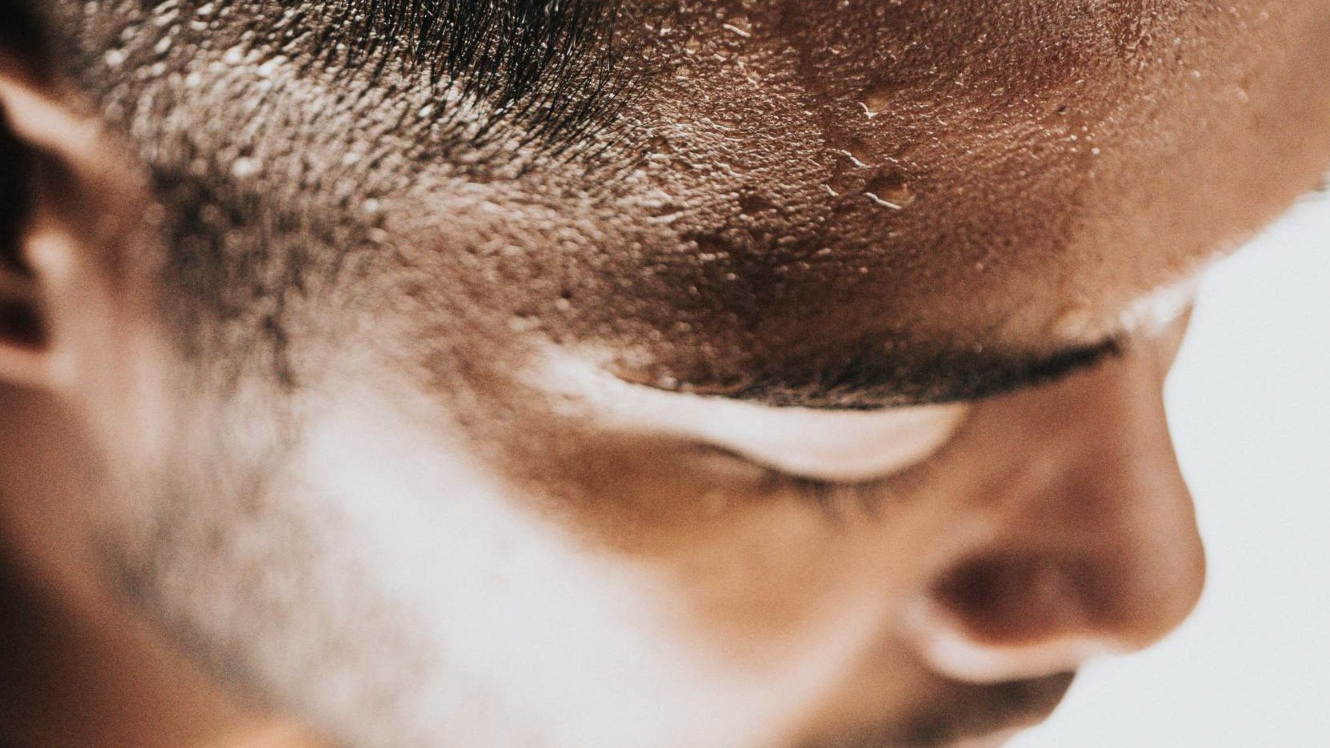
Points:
820	455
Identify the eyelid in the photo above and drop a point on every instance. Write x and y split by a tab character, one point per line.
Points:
842	448
823	445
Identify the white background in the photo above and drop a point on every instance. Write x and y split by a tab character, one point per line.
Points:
1250	408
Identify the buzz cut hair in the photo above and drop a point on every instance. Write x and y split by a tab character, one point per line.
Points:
267	126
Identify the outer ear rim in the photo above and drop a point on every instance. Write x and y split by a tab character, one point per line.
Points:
42	122
55	134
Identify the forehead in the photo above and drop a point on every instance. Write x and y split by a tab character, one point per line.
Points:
797	180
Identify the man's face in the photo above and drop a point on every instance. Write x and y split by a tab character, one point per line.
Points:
824	410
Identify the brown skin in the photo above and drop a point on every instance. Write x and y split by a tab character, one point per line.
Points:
1034	143
1048	165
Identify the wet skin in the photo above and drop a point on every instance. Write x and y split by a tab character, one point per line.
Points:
824	181
846	219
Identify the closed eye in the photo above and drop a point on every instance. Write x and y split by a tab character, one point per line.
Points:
840	446
836	498
834	447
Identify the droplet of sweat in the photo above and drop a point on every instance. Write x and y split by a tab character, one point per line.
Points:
890	191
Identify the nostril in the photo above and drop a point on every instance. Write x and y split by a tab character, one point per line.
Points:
1013	598
1007	616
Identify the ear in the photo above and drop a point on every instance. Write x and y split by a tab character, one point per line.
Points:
22	333
64	205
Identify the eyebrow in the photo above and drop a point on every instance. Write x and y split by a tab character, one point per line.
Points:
875	377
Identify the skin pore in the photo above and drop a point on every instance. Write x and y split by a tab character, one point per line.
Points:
735	374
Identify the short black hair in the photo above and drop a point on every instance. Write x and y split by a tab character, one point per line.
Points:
263	183
547	67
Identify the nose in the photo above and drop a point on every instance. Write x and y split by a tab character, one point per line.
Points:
1087	540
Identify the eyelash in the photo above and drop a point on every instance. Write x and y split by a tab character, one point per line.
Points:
834	499
837	500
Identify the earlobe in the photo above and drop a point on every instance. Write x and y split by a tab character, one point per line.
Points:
24	356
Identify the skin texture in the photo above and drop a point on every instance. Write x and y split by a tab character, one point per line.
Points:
424	453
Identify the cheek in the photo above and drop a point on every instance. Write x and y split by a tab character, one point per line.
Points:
502	612
757	575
